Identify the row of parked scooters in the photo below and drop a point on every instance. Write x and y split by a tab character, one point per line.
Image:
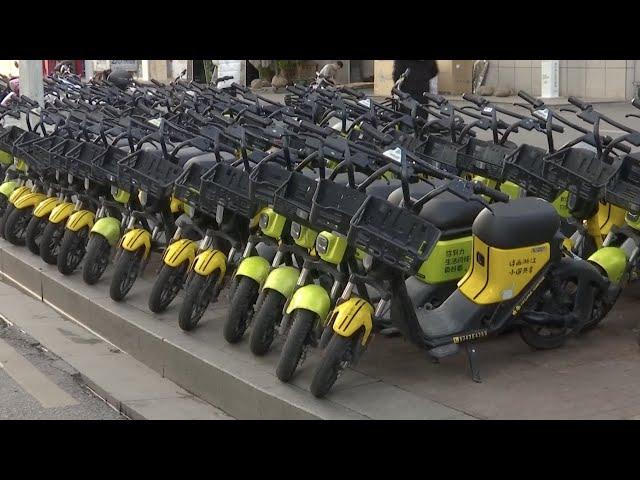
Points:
332	216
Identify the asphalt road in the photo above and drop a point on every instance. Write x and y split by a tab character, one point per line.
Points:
37	385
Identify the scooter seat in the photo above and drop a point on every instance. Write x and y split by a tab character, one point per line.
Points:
520	223
445	211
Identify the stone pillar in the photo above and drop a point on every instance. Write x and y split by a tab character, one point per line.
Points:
31	83
550	78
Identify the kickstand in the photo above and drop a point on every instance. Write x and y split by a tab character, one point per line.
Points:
472	354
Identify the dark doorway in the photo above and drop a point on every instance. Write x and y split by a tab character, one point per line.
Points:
198	71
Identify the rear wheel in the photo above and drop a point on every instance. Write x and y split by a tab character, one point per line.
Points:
15	228
265	322
338	355
296	344
126	272
166	287
198	294
96	260
35	229
5	214
244	298
50	242
72	250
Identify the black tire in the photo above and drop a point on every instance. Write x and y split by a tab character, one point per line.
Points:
166	287
297	340
15	228
35	229
244	298
534	337
339	351
126	272
5	214
97	259
50	242
199	291
265	322
72	250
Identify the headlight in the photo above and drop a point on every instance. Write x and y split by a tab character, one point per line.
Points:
322	244
633	217
296	229
264	221
367	261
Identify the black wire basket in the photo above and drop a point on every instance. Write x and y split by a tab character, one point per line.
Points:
8	137
187	185
623	189
483	158
334	206
393	235
25	149
105	167
294	199
441	153
265	179
80	160
525	167
227	186
149	171
579	171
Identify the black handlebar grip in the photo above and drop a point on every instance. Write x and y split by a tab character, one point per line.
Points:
530	99
312	127
623	147
582	105
437	99
400	93
475	99
27	100
352	92
224	79
496	195
257	119
557	128
290	121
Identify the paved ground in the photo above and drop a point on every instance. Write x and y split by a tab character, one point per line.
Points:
35	384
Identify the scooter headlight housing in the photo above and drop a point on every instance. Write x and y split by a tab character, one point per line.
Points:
331	247
264	221
633	220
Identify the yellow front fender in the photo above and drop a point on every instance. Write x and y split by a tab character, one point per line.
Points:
29	200
45	207
209	261
180	251
135	239
18	192
350	316
80	219
61	212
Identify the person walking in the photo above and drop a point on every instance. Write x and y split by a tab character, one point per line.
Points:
419	79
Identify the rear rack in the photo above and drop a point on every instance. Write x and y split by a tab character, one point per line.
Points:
227	186
334	206
623	189
393	235
149	171
525	167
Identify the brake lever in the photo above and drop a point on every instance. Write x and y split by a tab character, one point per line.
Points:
632	115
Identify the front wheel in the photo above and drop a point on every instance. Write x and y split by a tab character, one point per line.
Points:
15	227
50	242
126	272
198	294
166	287
244	298
35	229
339	355
265	322
72	250
96	260
296	343
5	214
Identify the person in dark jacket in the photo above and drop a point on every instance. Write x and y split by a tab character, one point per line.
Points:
417	82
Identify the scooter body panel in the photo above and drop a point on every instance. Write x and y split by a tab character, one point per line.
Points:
109	228
45	207
29	200
180	251
612	260
209	261
283	280
255	267
80	219
449	260
351	316
135	239
61	212
313	298
7	188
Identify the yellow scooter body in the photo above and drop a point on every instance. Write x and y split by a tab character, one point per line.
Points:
18	192
61	212
352	315
209	261
135	239
45	207
29	200
180	251
80	219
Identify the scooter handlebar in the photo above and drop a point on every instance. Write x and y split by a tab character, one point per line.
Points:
582	105
482	189
475	99
530	99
